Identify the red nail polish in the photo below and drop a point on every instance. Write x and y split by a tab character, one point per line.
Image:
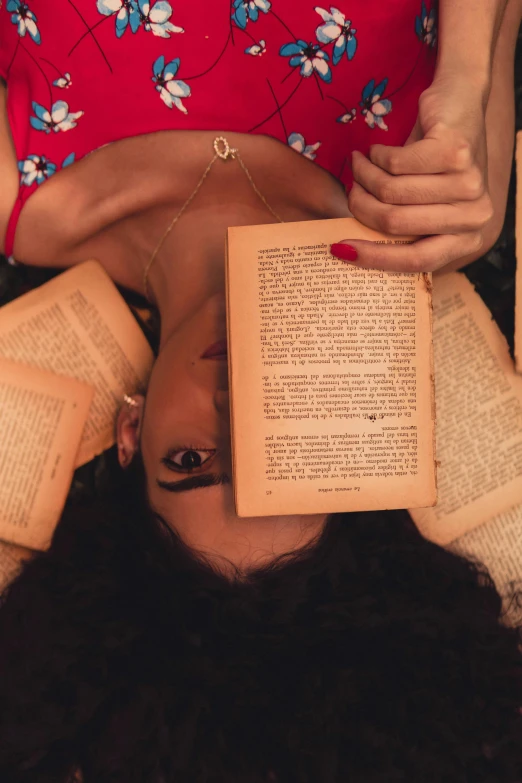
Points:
344	252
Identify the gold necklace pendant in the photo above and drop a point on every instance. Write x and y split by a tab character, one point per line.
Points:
224	151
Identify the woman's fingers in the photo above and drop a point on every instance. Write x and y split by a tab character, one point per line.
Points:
416	188
448	152
419	219
434	187
424	255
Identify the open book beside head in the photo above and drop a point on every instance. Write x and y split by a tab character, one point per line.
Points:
79	326
478	397
42	417
69	350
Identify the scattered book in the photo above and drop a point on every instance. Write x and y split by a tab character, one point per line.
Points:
42	417
69	351
498	545
331	375
478	398
79	326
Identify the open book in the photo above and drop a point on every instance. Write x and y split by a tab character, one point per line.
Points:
69	351
479	415
79	326
330	373
498	545
42	417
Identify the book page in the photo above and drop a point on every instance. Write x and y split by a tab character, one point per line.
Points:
11	560
498	545
479	415
78	325
518	245
42	417
330	375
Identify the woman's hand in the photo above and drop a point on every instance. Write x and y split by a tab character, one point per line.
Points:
434	187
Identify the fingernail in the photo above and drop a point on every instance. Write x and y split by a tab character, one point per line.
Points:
344	252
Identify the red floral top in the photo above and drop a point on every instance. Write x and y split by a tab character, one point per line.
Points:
324	80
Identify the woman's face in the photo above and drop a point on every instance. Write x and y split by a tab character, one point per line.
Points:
183	431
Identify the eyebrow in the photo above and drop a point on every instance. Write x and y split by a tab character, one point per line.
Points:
194	482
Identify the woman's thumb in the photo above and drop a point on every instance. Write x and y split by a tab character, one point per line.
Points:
416	133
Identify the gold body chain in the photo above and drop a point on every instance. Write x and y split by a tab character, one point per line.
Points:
222	151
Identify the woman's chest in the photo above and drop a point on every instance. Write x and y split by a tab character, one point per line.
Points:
94	72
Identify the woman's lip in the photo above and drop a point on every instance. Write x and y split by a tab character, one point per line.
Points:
216	351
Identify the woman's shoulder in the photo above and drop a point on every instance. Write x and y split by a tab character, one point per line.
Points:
8	169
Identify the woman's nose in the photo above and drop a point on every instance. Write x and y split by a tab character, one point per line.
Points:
221	402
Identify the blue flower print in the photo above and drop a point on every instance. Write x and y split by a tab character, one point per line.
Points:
348	117
339	29
374	109
25	19
425	27
171	90
59	118
249	9
156	19
35	168
310	57
296	142
68	160
257	50
63	82
126	12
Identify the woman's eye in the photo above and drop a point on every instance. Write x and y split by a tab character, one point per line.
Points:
187	460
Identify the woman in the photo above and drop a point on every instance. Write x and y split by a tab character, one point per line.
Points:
143	200
175	641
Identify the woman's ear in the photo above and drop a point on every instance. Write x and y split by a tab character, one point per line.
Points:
128	426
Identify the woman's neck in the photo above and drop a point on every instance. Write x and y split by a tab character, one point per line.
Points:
191	267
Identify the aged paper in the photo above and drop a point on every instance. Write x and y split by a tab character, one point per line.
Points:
79	326
518	240
11	560
42	418
479	415
330	375
498	545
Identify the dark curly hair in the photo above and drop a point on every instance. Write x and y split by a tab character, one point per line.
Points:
373	656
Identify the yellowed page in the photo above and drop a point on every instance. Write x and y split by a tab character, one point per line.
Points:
518	239
42	417
78	325
479	415
330	375
498	545
12	558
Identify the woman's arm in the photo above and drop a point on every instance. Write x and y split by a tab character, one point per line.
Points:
500	130
468	33
8	168
437	186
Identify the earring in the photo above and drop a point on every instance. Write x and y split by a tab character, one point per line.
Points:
130	401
